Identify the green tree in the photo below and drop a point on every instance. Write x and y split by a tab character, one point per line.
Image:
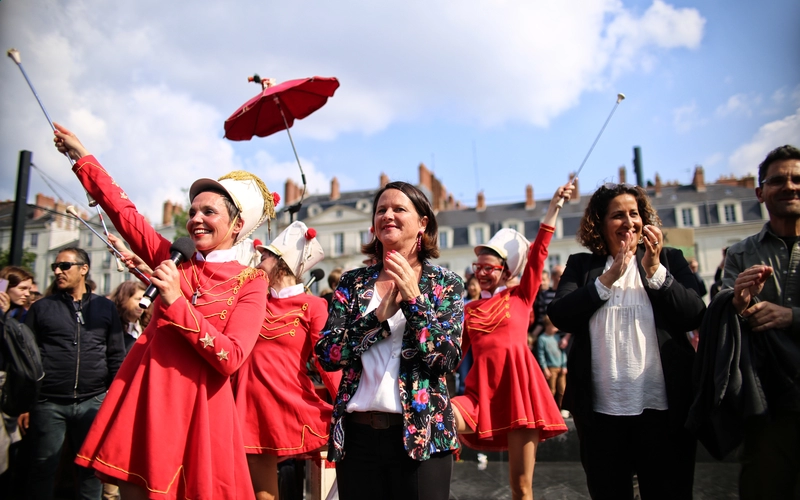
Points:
28	259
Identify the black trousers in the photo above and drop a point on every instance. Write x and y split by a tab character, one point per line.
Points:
376	465
614	448
771	457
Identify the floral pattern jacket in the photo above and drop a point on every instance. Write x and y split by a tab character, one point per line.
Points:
431	348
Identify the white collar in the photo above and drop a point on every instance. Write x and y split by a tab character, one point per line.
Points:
289	291
225	255
487	295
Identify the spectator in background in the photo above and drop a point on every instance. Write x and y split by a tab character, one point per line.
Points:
473	292
552	359
333	282
134	319
80	339
16	297
718	275
701	284
555	276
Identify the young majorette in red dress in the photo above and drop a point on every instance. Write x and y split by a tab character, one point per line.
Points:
281	414
168	427
507	403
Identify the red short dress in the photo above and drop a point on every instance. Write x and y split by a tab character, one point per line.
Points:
280	411
168	422
505	388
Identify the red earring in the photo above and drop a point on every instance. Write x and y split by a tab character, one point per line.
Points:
419	241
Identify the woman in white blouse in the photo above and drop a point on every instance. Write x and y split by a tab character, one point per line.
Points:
628	305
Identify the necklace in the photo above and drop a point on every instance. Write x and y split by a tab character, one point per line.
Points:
198	291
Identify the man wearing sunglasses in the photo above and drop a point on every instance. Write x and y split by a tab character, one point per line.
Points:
80	338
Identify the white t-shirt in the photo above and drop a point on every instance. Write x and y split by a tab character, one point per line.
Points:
378	389
626	363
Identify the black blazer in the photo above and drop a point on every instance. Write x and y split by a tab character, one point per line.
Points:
677	309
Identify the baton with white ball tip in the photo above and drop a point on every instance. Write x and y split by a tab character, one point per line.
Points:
117	254
620	98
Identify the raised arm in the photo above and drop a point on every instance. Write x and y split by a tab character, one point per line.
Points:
145	241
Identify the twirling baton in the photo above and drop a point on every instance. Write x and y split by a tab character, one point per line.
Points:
620	98
14	54
117	254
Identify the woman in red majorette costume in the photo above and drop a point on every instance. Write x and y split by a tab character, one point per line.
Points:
168	427
507	403
281	414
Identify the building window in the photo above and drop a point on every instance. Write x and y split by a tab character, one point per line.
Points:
516	225
89	239
338	244
444	239
366	237
339	214
106	283
553	261
34	240
687	217
478	236
107	260
730	212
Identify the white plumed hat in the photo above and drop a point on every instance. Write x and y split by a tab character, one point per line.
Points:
511	246
248	192
298	247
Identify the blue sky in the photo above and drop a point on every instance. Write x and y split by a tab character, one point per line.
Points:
491	95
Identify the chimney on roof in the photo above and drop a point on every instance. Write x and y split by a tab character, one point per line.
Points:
384	180
291	193
61	208
622	175
335	195
658	186
43	202
481	206
170	211
425	177
576	193
748	182
699	180
530	203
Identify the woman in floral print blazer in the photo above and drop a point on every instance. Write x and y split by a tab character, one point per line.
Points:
394	328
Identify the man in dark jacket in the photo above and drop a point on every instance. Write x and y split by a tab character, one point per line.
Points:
80	338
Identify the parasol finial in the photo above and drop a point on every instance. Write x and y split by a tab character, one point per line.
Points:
265	82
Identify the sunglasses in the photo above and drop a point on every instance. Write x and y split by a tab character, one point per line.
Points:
64	266
485	269
780	180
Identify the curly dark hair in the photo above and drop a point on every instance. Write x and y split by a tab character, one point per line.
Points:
430	239
590	232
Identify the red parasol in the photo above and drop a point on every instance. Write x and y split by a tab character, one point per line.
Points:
277	107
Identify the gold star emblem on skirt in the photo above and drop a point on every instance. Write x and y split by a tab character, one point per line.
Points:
222	355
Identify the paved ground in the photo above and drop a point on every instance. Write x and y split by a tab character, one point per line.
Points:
565	481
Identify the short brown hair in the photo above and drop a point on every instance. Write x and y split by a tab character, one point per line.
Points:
590	232
430	240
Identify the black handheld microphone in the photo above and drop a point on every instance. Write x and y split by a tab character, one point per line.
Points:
182	249
316	275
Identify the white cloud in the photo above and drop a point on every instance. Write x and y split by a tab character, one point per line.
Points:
685	118
739	104
746	158
147	85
